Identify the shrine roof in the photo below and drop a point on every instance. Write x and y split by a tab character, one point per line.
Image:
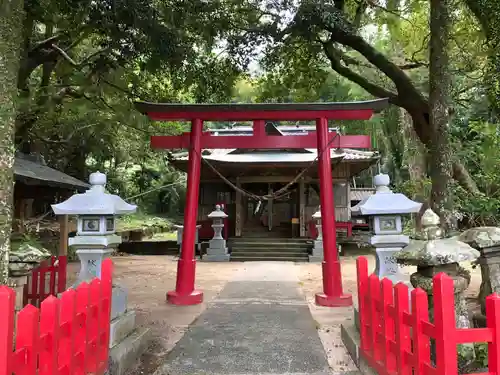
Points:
41	174
243	111
358	194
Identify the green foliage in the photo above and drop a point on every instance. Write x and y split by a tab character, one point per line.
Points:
84	62
481	350
482	153
142	221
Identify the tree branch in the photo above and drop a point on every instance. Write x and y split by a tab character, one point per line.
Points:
64	54
335	62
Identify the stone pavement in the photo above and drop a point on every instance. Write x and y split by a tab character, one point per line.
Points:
259	324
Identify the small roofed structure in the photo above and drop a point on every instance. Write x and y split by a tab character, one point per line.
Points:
37	186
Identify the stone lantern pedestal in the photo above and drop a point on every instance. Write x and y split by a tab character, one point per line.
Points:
96	211
180	230
434	254
487	241
317	251
21	262
386	210
217	250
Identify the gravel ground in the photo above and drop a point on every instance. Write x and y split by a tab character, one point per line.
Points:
148	278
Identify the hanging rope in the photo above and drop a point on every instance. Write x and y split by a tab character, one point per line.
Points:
180	181
278	193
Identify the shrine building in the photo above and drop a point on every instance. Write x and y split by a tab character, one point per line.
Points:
235	178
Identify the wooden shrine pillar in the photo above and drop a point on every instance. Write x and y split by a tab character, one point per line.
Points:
302	208
63	235
270	209
239	210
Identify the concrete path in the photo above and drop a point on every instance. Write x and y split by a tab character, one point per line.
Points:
259	324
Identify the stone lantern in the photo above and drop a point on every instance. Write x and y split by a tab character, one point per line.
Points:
317	252
180	230
433	254
217	250
487	241
386	209
96	212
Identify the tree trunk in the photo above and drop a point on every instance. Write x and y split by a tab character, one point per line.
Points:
11	26
415	158
439	99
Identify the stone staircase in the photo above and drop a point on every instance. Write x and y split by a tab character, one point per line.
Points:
247	249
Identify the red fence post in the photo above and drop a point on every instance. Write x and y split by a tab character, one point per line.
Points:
362	271
387	303
493	323
34	286
49	336
421	342
444	321
82	303
92	363
105	315
61	273
42	270
54	267
68	327
27	341
374	295
403	343
7	312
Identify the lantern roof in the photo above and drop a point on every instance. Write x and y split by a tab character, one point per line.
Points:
217	213
95	201
385	201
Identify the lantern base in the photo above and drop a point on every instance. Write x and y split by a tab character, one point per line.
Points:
343	300
193	298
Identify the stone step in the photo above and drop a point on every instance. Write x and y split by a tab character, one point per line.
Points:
269	244
350	338
265	259
271	239
266	248
269	254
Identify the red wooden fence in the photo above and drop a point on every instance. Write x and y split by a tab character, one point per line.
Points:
395	340
66	336
38	288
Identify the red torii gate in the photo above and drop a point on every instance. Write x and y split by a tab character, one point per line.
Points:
322	139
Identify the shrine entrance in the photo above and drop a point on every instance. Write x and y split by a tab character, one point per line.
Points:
272	217
322	140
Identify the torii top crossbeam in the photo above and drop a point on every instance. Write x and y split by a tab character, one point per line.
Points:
362	110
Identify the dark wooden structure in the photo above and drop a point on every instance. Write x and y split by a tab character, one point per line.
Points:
37	186
261	172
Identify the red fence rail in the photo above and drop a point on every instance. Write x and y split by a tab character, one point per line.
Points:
67	335
48	279
396	341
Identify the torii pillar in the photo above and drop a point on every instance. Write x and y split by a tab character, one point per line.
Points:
323	140
332	277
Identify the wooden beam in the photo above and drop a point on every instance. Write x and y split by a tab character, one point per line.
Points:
260	141
293	115
267	179
237	220
302	208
